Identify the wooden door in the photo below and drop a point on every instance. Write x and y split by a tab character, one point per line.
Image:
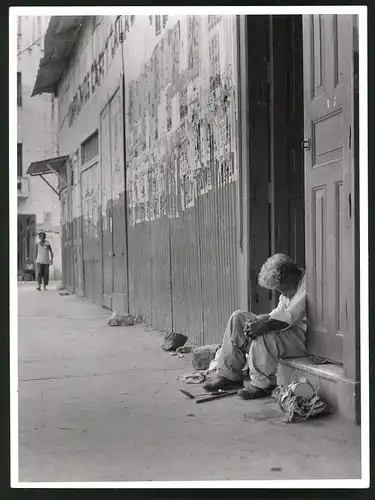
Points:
91	245
77	228
120	296
67	239
328	89
259	144
115	281
286	154
106	201
26	242
64	234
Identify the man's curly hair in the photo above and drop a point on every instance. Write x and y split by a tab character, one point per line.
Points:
277	270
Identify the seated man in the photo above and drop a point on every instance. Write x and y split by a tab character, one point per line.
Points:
266	337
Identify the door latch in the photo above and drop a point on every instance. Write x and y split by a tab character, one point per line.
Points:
111	254
306	144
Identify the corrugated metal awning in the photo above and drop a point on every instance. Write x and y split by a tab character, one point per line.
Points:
50	166
59	41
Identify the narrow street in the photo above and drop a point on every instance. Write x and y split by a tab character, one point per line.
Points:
100	403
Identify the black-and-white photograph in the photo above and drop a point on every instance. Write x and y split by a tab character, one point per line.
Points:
190	294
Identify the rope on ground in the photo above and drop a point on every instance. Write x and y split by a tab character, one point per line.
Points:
299	408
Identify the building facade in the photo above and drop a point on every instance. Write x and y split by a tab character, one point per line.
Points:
196	146
38	205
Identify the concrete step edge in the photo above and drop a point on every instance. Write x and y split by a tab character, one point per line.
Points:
330	372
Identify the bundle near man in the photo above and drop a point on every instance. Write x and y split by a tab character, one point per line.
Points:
266	337
43	260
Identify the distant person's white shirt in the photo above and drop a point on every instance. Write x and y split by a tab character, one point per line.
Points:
43	253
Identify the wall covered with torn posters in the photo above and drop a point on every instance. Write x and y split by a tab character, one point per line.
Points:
166	168
181	167
181	116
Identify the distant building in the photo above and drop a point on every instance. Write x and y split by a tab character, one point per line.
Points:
38	206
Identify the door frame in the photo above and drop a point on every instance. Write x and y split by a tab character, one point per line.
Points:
243	154
253	160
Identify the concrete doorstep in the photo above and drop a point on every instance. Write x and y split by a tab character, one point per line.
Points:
341	394
101	403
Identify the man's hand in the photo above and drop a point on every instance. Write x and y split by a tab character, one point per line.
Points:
256	327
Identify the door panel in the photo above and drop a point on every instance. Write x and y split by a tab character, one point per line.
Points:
115	285
328	64
286	159
107	223
78	270
26	242
67	240
77	229
91	245
258	37
118	203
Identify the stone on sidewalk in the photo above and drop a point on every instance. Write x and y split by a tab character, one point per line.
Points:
118	320
202	356
173	341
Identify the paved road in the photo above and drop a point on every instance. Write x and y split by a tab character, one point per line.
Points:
99	403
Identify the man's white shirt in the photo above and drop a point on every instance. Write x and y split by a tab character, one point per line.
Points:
293	311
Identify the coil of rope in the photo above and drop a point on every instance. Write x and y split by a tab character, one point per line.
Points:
296	407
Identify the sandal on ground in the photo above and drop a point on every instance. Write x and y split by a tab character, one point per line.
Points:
252	392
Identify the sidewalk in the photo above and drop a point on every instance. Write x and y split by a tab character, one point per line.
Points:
100	403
